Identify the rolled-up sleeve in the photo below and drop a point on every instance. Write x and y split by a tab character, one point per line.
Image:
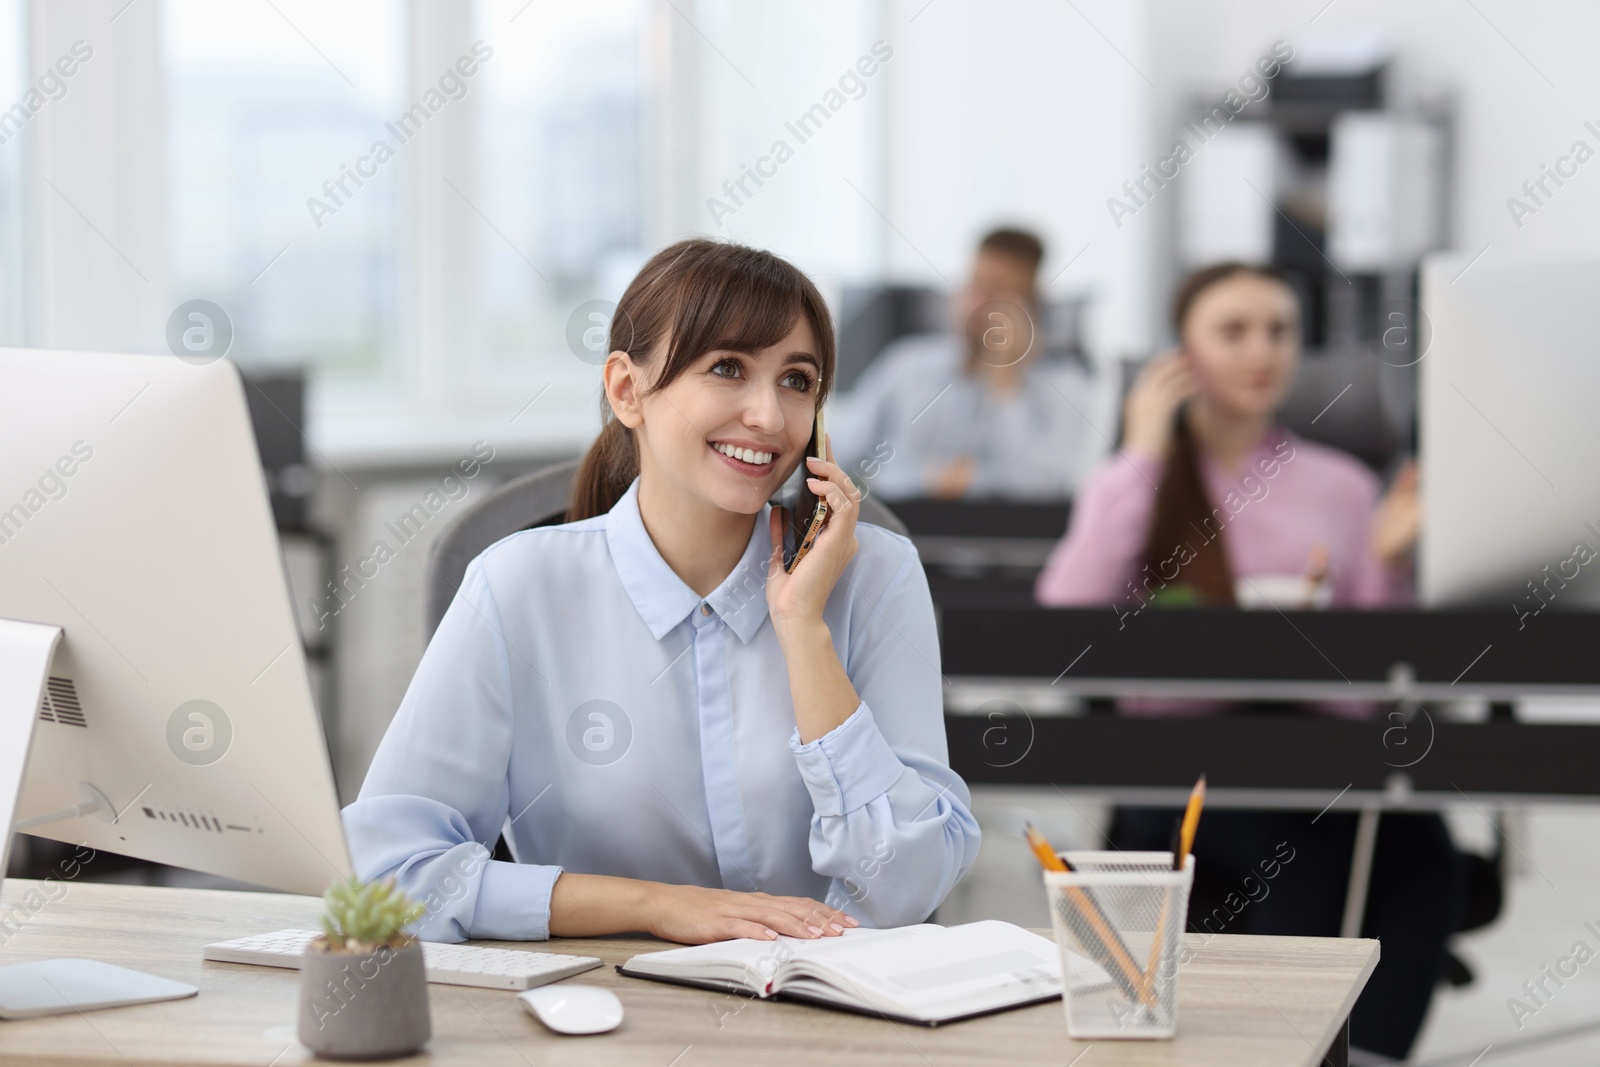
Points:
436	796
892	825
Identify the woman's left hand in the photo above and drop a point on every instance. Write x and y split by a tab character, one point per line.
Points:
1399	517
797	598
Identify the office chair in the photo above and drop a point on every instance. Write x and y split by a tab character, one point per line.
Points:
1337	399
536	499
874	315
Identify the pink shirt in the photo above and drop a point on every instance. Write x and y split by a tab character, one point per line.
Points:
1287	497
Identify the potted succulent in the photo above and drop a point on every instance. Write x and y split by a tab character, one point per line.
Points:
363	987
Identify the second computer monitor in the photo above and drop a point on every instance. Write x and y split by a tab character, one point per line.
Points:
1508	432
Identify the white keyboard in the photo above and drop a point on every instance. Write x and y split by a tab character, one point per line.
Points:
487	968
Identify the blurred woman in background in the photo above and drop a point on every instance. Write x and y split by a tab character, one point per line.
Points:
1210	501
1182	512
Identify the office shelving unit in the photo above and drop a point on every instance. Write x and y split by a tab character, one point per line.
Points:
1348	188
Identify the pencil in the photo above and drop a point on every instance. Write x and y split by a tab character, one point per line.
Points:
1191	822
1183	833
1316	572
1096	933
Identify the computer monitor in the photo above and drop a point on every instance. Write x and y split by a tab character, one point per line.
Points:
177	723
1508	432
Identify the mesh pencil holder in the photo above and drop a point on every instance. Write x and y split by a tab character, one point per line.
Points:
1126	911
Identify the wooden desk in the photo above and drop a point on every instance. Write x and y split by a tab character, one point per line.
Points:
1244	1002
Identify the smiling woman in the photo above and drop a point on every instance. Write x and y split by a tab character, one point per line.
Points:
789	780
746	301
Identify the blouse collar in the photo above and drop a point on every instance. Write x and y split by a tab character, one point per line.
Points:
662	599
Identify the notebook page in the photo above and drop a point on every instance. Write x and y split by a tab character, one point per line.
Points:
941	971
749	960
753	950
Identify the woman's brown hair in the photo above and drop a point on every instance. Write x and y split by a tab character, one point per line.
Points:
697	296
1183	513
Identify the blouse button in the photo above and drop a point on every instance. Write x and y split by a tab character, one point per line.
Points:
705	608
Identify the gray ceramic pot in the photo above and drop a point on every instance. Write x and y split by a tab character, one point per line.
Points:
364	1007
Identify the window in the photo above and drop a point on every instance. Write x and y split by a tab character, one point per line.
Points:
270	107
558	192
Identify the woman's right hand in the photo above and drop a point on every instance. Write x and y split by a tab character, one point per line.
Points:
695	915
1151	409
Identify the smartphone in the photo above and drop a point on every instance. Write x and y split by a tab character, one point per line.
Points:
807	513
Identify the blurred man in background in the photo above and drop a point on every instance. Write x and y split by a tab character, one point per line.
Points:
975	412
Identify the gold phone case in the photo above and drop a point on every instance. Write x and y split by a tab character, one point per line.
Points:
818	517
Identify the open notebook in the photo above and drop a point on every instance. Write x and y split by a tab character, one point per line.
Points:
925	974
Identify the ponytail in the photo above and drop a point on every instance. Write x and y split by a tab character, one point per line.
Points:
694	297
608	468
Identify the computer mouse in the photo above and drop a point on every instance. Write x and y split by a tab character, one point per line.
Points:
574	1009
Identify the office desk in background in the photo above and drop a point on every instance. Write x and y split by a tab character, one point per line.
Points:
1245	1002
1042	659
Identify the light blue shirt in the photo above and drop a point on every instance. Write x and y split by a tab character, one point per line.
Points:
580	698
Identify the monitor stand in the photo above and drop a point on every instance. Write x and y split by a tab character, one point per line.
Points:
51	987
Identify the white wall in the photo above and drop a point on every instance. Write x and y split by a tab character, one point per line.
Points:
771	64
1029	112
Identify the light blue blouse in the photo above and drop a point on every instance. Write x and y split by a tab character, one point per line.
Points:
580	698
